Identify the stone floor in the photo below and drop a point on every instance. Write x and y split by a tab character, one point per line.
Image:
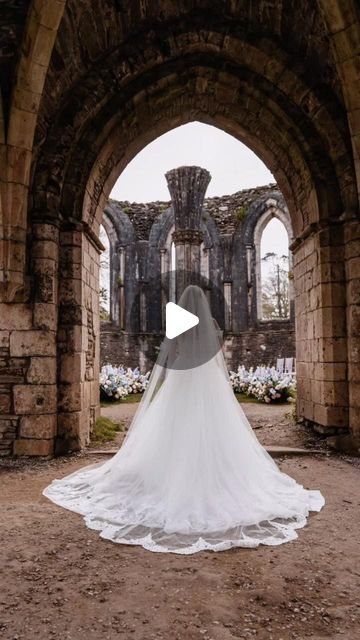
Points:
60	581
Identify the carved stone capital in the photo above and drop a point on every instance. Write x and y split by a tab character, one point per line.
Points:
187	186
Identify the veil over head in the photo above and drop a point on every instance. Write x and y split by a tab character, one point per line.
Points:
198	347
196	353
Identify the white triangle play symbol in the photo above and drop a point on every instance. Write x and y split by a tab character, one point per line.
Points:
178	320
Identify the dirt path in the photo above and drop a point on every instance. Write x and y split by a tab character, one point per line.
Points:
273	424
60	581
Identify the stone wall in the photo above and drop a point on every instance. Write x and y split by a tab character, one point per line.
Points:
251	348
326	272
229	230
227	211
78	340
28	365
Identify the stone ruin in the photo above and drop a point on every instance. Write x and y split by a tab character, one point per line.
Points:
87	85
218	238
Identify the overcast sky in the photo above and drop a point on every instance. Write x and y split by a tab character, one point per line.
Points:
231	164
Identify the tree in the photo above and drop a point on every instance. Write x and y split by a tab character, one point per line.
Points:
103	295
275	287
104	276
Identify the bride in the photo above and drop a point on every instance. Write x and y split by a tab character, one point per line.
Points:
191	474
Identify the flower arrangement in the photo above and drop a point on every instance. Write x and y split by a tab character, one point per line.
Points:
118	382
266	384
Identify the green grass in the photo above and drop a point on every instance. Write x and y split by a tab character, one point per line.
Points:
105	430
242	397
133	397
136	397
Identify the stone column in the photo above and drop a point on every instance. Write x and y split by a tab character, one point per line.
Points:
34	351
187	186
321	340
187	247
78	338
352	258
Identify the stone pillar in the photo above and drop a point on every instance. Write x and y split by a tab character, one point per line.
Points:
321	341
78	338
187	247
352	257
187	186
121	287
33	351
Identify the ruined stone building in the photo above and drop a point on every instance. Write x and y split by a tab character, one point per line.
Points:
226	234
84	86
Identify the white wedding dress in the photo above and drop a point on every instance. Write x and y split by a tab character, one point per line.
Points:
191	474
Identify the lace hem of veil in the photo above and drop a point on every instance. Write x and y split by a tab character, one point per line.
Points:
268	532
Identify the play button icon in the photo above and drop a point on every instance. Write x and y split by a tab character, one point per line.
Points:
173	329
178	320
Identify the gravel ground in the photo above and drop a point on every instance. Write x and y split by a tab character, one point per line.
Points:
60	581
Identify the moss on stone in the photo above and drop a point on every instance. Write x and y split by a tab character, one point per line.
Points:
105	430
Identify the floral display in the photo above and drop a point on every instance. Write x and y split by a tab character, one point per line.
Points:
266	384
117	382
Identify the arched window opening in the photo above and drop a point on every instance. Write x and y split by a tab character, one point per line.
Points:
104	290
274	271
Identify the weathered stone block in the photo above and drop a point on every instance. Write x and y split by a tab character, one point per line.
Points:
353	291
71	238
45	249
32	343
29	447
45	232
42	370
71	314
332	272
354	419
39	426
15	316
330	371
70	291
353	316
4	339
70	397
45	316
335	393
330	417
72	367
333	350
353	268
5	401
5	425
73	431
353	371
354	395
11	374
77	339
35	399
94	393
333	322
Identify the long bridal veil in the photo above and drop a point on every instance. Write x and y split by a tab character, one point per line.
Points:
191	474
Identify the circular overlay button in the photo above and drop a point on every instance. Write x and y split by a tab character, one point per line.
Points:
186	311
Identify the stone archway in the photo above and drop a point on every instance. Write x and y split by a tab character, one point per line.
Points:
254	73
